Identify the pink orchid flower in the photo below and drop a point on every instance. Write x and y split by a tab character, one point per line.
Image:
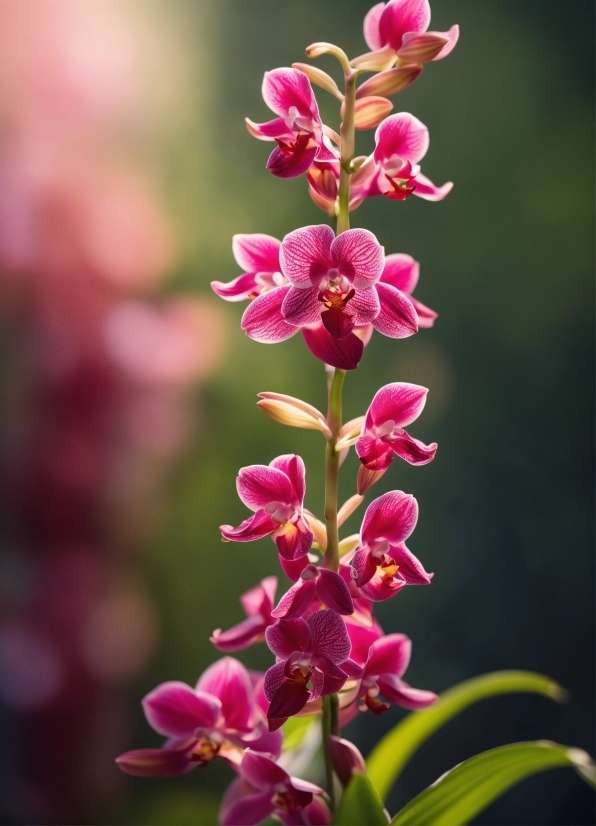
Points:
264	789
275	492
258	605
400	25
393	407
333	289
312	651
382	565
298	129
258	255
402	272
218	717
316	586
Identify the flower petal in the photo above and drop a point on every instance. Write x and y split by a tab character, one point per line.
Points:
402	135
255	527
397	317
399	402
374	454
364	566
392	516
248	810
240	289
175	710
426	316
362	638
301	306
262	772
344	353
155	762
371	27
260	485
296	601
453	36
333	592
410	567
229	681
291	162
398	691
334	677
305	255
256	252
401	16
389	655
270	130
429	191
365	305
401	271
262	320
358	256
329	637
245	633
259	600
289	699
380	588
293	466
284	88
413	450
292	568
346	759
293	540
288	636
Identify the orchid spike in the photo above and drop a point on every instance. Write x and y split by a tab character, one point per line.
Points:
275	492
264	788
316	586
258	605
382	565
400	25
311	651
219	717
298	129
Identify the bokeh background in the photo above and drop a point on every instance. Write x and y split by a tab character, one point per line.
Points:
128	390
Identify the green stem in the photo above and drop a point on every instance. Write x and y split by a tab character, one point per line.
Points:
327	726
348	145
332	470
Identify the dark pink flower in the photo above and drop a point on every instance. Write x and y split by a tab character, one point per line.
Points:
400	25
382	565
402	272
218	717
275	492
393	407
316	586
257	604
312	651
263	788
298	129
258	255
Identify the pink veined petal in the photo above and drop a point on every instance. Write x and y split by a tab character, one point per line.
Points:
365	305
317	813
401	16
245	633
343	353
421	47
358	255
267	741
261	772
259	600
389	655
229	681
373	453
397	317
410	567
293	542
398	691
380	588
247	811
240	289
399	402
429	191
155	762
296	601
334	677
287	636
413	450
305	255
262	320
401	271
274	677
292	568
329	636
259	485
346	759
333	592
364	566
371	27
402	135
256	252
284	88
175	710
301	307
255	527
289	699
392	516
362	638
293	162
305	786
293	467
453	37
426	316
269	131
317	682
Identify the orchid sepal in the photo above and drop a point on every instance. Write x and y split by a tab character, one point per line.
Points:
293	412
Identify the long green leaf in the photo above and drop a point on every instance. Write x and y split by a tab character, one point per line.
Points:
360	805
458	796
388	759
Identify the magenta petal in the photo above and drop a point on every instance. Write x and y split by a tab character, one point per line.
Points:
333	592
259	600
413	450
293	467
389	655
358	255
401	271
339	323
316	813
240	636
289	699
397	317
259	485
397	691
426	316
429	191
364	566
334	677
274	677
453	36
291	163
284	88
296	601
305	255
346	759
292	568
374	454
247	811
294	542
301	306
402	135
344	353
362	638
399	402
256	252
269	131
410	567
263	321
155	762
371	27
392	516
262	772
175	710
380	588
365	306
229	681
287	636
240	289
257	526
268	741
329	636
401	16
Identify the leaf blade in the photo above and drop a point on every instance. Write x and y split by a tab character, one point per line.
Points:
360	805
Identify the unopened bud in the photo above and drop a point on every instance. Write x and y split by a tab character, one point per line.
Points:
375	61
420	47
293	412
367	478
319	78
346	759
319	530
369	112
348	508
390	82
349	544
318	49
327	206
349	433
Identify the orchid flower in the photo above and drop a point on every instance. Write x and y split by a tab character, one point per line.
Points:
316	586
298	129
382	565
258	255
263	789
218	717
275	492
312	651
400	26
257	604
393	407
402	272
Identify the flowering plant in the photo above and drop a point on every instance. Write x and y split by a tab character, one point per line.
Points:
333	660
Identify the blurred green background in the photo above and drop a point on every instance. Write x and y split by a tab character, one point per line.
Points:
506	260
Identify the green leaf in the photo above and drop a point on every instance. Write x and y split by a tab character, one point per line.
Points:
360	805
388	759
294	730
458	796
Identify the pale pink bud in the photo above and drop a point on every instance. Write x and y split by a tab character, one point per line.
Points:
319	78
369	112
348	508
376	61
349	544
420	47
293	412
318	49
349	433
367	478
390	82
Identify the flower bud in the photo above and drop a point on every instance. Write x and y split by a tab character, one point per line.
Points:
375	61
319	78
349	544
346	759
349	433
367	478
370	111
348	508
319	530
390	82
318	49
420	47
293	412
